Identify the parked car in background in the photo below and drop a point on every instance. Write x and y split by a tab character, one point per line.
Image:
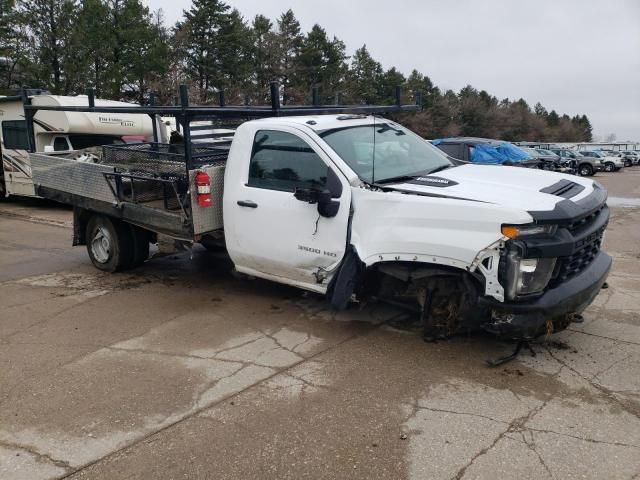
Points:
611	161
585	166
549	160
632	156
486	151
626	158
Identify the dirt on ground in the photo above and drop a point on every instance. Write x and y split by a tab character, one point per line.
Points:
179	369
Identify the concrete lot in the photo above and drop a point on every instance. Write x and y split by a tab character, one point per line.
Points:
179	370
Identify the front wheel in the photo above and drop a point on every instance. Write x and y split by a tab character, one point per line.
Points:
109	243
609	167
585	170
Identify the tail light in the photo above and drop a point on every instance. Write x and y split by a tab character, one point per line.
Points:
203	189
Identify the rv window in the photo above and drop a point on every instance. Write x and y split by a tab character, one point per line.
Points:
14	134
60	144
79	142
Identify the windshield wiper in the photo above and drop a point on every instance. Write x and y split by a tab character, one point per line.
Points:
413	176
399	178
439	169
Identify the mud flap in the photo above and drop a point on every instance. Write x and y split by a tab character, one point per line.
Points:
343	283
80	218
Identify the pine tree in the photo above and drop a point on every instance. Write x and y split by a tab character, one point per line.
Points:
321	63
417	82
91	44
13	46
289	42
540	110
234	51
263	53
553	119
365	77
198	40
587	129
144	50
50	25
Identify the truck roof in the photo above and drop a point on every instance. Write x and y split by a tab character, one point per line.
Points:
472	140
319	123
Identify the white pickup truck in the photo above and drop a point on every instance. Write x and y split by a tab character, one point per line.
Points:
354	207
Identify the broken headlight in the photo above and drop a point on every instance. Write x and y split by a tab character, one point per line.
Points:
526	276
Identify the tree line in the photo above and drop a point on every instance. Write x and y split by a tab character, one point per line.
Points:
125	51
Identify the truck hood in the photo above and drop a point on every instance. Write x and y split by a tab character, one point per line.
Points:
512	187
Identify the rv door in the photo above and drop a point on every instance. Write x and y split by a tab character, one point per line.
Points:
15	159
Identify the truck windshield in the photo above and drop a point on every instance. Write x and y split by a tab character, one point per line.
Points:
385	151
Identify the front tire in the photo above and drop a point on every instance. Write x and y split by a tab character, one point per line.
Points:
609	167
109	243
585	170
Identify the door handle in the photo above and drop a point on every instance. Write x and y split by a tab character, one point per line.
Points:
247	203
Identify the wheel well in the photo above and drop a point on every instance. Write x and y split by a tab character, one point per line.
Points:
446	298
81	218
411	273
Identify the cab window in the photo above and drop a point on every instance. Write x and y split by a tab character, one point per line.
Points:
60	144
451	149
283	161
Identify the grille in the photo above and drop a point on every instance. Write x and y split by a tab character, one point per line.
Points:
581	223
586	251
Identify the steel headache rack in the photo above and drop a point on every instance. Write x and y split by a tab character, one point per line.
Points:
149	183
222	116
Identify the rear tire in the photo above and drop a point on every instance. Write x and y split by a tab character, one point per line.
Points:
109	243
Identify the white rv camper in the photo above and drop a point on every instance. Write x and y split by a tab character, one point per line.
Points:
55	131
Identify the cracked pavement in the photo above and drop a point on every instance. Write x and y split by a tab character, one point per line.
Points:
181	370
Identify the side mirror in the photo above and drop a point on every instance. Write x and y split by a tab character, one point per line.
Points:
327	207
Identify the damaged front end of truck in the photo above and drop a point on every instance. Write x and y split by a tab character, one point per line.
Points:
552	270
535	280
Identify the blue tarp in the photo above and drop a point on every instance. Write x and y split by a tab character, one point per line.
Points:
514	153
494	154
487	154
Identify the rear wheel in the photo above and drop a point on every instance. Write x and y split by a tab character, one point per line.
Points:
109	243
585	170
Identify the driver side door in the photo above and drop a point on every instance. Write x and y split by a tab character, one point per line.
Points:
272	234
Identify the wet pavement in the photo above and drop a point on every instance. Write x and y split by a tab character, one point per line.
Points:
181	370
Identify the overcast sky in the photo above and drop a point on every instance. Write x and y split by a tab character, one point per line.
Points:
574	56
